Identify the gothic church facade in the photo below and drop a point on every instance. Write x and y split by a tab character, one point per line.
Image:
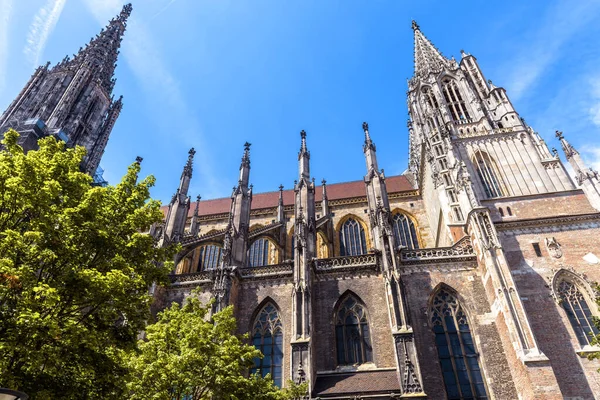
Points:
468	277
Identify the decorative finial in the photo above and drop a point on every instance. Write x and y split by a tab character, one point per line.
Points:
139	159
198	198
281	188
303	134
191	153
303	141
365	126
126	12
247	146
324	182
415	26
559	135
555	152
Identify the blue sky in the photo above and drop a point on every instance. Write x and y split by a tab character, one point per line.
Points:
214	74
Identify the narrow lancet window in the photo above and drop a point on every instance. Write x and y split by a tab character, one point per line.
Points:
455	102
267	336
405	231
578	311
210	257
456	349
487	172
352	238
353	341
259	253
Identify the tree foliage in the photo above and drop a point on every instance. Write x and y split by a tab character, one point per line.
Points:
189	356
74	272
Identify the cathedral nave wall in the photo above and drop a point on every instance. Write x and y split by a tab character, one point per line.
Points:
467	284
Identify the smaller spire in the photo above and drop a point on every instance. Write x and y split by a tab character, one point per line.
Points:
325	200
368	141
139	160
244	178
280	209
415	26
324	183
303	141
303	157
187	170
195	227
567	148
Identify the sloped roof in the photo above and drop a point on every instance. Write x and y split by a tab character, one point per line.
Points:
364	382
335	191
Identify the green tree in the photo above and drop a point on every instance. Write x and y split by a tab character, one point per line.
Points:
189	356
74	272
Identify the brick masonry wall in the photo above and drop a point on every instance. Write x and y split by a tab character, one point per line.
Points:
468	285
576	376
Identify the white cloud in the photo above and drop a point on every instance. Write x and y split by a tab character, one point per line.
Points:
594	110
6	7
42	26
548	42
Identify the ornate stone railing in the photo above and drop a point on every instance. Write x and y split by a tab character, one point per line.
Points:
268	271
346	262
259	231
463	249
190	279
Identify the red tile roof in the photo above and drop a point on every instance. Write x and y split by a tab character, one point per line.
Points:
357	383
335	191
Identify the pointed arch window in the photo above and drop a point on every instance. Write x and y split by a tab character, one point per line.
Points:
352	238
353	341
405	231
455	102
267	336
210	257
260	252
487	171
456	349
577	307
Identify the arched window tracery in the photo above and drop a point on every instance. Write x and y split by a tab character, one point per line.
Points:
488	174
405	231
579	308
352	238
458	356
210	256
267	336
262	252
353	340
455	102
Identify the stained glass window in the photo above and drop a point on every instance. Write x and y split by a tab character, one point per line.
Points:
456	349
405	232
259	252
353	342
579	312
210	257
267	336
352	238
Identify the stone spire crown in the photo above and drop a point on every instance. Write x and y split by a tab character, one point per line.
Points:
245	166
567	147
304	157
428	58
187	170
103	49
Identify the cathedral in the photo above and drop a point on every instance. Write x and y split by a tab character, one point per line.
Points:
470	276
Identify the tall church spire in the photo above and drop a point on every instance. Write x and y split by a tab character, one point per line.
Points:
180	204
428	58
102	51
370	150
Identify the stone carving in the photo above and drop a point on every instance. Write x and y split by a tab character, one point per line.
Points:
554	248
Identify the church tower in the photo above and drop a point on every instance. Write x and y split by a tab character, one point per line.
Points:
73	100
464	126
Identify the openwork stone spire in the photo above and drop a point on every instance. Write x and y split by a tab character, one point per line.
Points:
102	51
428	58
304	157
